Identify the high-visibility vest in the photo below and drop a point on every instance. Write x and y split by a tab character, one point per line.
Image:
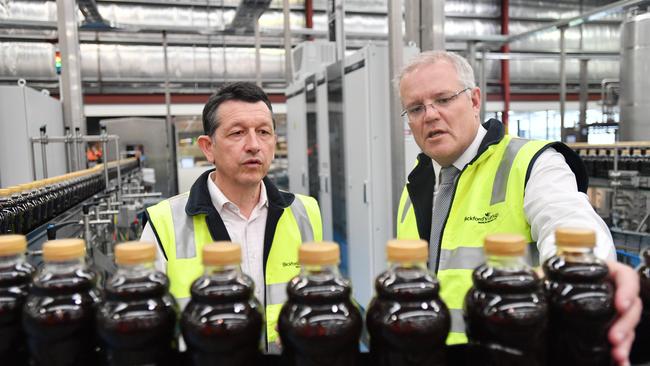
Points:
489	198
183	237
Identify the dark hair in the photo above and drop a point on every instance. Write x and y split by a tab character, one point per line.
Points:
243	91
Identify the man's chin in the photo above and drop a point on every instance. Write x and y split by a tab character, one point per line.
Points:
439	155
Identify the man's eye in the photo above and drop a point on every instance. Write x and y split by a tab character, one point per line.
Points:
416	109
236	133
443	101
264	132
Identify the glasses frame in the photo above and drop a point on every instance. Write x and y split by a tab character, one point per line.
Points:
435	104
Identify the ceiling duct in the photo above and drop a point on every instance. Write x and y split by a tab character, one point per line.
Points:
93	19
246	15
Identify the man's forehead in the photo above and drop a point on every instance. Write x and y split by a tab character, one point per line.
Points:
418	85
240	108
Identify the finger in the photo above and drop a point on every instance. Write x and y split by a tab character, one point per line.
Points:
621	334
621	353
626	322
626	281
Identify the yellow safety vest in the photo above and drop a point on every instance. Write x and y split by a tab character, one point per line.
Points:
183	237
489	198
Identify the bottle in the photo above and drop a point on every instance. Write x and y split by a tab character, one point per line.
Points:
18	208
6	212
29	216
222	323
137	319
581	301
640	353
15	277
319	324
407	322
506	311
59	313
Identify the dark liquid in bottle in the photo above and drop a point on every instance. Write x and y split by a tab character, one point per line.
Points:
506	317
641	348
581	311
222	324
319	325
14	283
59	318
407	321
136	323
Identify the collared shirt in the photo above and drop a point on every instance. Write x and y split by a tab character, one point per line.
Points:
248	232
551	200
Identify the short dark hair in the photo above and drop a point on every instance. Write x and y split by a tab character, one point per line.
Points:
243	91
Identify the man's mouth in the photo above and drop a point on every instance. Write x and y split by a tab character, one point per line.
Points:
253	162
434	133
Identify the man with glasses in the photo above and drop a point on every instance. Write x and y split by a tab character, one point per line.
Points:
472	179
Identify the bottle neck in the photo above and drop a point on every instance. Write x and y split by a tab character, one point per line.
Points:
507	262
136	269
576	254
11	260
210	269
320	270
66	266
408	264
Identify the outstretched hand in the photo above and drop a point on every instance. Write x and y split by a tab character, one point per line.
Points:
628	306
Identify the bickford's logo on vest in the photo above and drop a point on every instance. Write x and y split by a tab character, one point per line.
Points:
291	264
486	218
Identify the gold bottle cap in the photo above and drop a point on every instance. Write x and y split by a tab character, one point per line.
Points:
221	253
504	244
575	237
407	251
63	250
12	245
135	252
319	253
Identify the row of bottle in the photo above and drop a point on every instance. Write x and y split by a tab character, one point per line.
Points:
510	314
599	165
27	206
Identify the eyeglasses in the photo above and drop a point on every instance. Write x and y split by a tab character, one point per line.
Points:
418	111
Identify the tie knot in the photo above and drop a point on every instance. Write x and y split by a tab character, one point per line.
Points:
448	174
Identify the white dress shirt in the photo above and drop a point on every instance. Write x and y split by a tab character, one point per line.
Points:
551	200
248	232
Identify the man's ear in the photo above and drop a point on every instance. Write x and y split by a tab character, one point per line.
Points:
476	100
205	143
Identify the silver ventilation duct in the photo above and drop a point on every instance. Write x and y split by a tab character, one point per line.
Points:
91	14
141	63
133	61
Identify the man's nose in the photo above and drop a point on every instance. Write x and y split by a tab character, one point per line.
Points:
430	112
252	142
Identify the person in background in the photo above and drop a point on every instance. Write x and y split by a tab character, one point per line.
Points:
236	202
93	154
139	154
473	179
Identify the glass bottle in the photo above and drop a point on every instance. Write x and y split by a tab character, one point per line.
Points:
136	321
15	277
407	321
581	301
59	313
506	311
222	323
319	324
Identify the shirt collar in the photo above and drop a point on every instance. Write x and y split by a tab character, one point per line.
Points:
220	201
467	155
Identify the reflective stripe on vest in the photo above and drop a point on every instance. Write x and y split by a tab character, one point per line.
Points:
183	237
476	210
